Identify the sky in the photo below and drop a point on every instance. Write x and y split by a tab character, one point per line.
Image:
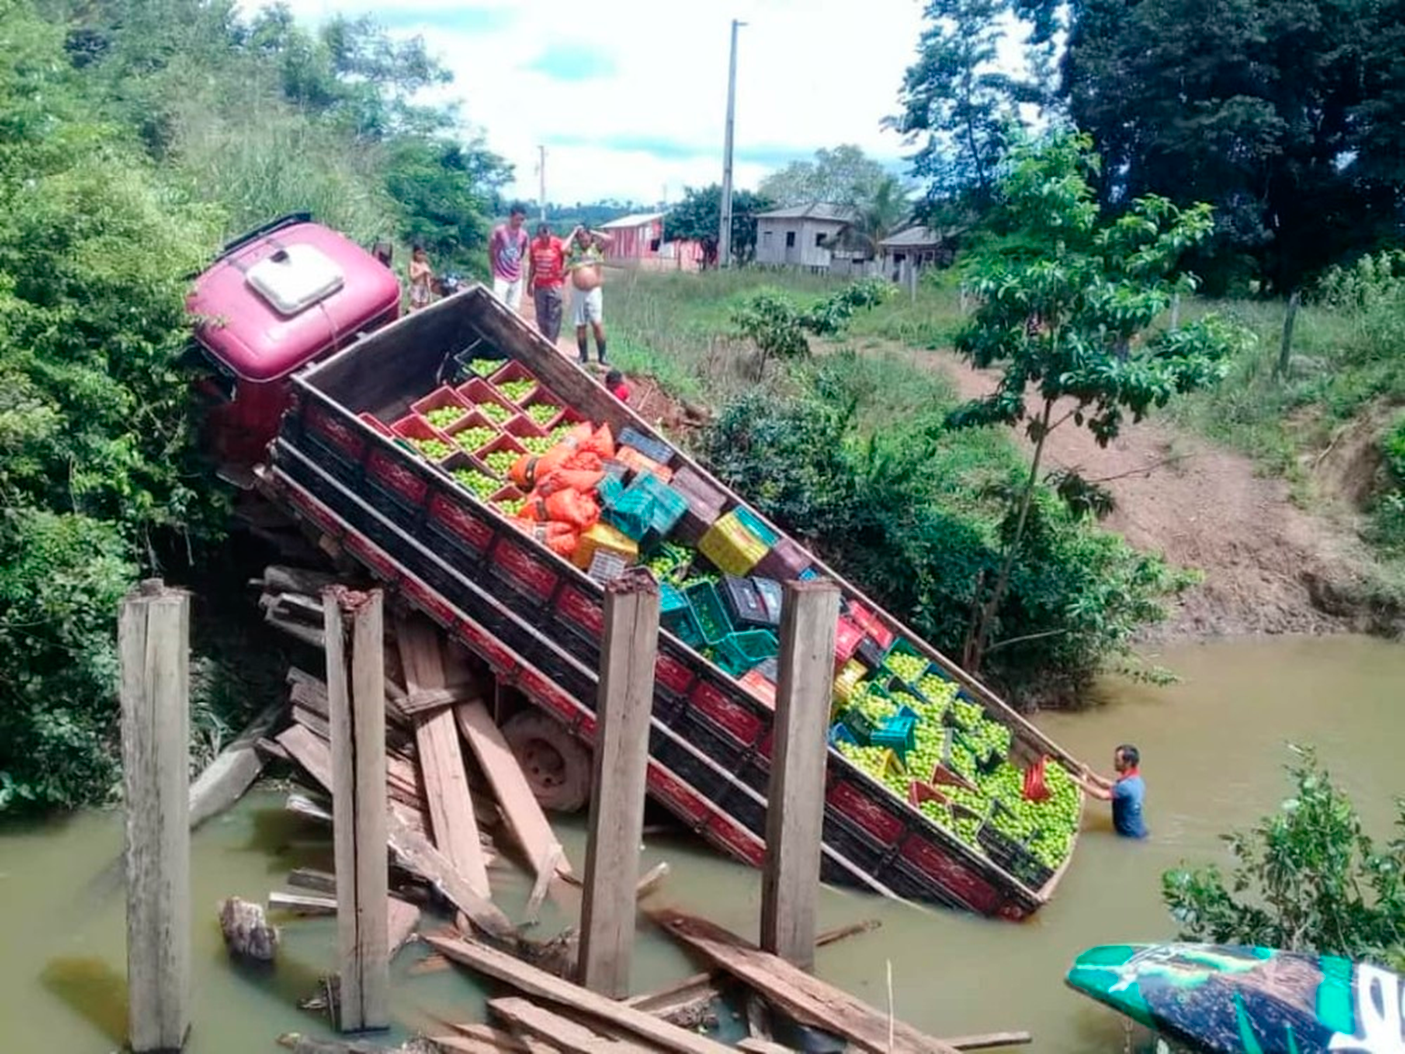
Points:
629	96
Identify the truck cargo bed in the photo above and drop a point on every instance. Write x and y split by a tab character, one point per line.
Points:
535	618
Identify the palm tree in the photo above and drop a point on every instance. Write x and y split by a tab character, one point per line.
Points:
880	215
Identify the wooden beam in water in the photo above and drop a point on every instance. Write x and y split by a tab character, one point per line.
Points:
153	640
627	655
790	882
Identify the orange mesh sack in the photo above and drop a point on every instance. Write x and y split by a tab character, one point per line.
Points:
569	479
564	506
601	443
560	538
530	467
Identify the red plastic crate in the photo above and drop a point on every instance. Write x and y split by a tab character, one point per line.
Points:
416	427
523	427
437	399
473	419
501	443
513	371
847	638
542	397
376	424
479	392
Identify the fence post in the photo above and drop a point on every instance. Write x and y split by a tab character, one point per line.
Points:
1175	312
153	634
627	653
795	799
1285	350
356	711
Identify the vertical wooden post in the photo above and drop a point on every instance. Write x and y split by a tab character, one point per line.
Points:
795	800
1285	349
627	655
1175	312
356	710
153	637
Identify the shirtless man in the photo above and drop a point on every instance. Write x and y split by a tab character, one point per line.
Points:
585	259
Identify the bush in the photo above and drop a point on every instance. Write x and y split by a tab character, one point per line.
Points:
1306	878
912	514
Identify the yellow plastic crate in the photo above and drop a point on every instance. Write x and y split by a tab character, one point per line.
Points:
730	545
604	538
850	674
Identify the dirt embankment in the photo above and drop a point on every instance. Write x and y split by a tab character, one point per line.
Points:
1268	566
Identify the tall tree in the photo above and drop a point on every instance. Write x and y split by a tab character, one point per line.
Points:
1266	110
881	214
842	176
1066	299
957	108
698	217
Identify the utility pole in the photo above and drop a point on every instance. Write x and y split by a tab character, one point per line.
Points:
541	172
724	234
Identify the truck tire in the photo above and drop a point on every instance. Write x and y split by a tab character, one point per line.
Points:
556	764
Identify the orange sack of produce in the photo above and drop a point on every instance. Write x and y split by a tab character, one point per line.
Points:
560	538
531	467
601	443
564	506
568	479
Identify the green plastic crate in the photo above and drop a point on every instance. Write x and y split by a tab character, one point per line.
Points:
708	611
739	652
753	523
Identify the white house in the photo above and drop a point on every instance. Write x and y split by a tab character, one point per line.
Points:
797	236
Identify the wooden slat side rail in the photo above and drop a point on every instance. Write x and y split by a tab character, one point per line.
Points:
807	999
448	801
541	985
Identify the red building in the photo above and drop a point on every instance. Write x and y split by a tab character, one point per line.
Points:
638	242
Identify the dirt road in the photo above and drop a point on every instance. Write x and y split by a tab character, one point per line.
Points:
1269	567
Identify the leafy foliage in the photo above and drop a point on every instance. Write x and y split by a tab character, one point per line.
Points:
95	454
778	327
911	512
956	106
1066	301
698	217
842	176
1373	279
1305	878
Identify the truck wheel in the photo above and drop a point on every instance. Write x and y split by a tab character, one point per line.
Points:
556	764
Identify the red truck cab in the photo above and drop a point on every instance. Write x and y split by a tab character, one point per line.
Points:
280	297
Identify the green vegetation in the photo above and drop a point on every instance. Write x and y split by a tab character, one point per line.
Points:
1065	299
1306	878
133	137
849	453
698	217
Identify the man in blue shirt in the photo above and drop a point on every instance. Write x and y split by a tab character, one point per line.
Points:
1126	792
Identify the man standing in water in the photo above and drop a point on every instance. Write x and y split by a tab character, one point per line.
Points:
1126	792
585	259
546	278
505	252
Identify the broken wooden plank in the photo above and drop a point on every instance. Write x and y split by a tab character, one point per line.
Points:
305	806
545	870
272	750
415	853
302	904
989	1040
542	985
447	798
425	700
700	988
312	637
562	1031
486	1033
808	999
311	878
225	779
524	816
403	918
280	578
755	1045
652	880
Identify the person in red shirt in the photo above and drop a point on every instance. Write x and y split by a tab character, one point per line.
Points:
546	278
614	382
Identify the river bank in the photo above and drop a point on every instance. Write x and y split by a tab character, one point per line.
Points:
1213	749
1274	555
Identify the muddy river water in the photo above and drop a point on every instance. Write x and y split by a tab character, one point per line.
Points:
1213	747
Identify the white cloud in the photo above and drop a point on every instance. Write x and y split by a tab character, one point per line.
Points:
810	74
